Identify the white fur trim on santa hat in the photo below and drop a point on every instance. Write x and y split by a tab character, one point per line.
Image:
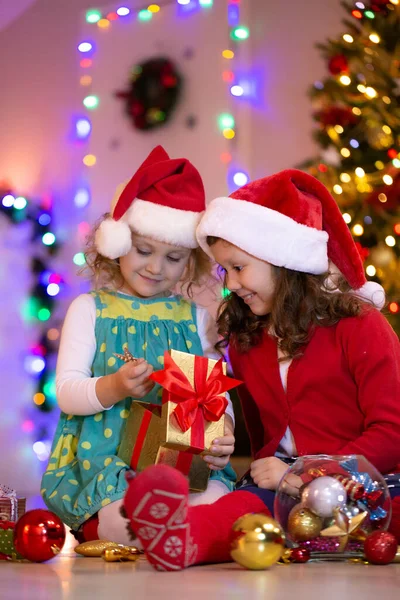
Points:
265	234
113	238
162	223
372	292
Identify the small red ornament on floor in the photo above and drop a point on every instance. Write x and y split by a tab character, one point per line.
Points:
39	535
380	548
299	555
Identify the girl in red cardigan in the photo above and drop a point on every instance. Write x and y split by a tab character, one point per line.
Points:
320	365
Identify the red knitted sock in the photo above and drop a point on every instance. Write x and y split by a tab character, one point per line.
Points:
89	529
175	536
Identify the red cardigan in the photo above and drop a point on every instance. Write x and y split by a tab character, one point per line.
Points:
343	394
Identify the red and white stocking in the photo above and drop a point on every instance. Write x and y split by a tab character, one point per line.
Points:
174	535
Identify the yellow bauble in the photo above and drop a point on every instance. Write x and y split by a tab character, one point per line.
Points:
257	541
303	524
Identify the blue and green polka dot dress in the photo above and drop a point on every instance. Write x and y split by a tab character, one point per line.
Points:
84	472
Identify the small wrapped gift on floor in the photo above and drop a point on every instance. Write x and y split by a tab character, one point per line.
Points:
180	431
7	549
11	507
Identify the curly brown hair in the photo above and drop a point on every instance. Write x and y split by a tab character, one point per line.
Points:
302	302
105	272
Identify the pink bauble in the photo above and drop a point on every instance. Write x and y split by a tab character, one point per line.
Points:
323	495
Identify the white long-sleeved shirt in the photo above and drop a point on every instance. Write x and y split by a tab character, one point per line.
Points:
75	386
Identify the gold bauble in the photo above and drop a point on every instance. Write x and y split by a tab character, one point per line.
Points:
121	553
257	542
303	524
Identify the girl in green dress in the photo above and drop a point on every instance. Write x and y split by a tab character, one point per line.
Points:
137	256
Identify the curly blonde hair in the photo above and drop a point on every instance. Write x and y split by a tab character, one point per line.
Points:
105	272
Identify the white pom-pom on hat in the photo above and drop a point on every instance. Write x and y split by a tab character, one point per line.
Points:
113	238
372	292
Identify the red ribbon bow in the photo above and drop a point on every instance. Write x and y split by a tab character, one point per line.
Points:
205	400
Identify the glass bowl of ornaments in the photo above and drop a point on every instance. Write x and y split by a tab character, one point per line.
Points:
330	504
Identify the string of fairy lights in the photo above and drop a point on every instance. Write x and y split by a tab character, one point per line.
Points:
38	311
48	284
39	359
40	307
238	87
226	121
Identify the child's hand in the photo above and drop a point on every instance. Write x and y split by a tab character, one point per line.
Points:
267	472
222	448
132	379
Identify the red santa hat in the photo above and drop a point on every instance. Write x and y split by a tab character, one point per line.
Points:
289	220
164	200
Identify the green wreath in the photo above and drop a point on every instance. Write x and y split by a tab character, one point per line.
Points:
154	91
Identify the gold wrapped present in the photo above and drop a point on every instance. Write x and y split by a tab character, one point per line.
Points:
190	418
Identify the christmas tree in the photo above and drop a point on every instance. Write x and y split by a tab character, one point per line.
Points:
357	115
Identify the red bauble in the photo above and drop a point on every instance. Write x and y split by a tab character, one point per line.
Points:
379	5
336	115
392	194
380	547
338	64
300	555
39	535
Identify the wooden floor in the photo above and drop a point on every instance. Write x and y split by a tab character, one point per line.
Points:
71	577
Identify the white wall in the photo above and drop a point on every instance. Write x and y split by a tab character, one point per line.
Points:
40	93
283	50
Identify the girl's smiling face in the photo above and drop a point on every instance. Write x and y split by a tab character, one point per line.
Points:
152	268
251	278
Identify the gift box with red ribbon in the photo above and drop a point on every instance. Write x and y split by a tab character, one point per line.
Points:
184	427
